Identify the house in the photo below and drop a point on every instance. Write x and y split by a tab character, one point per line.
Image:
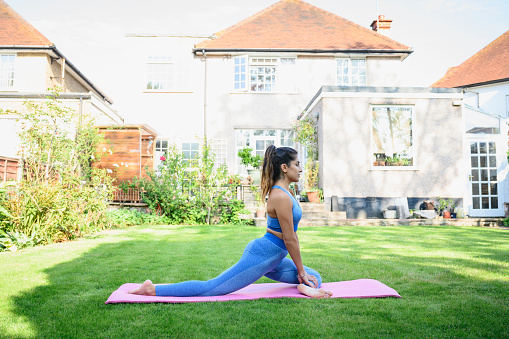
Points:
246	85
31	67
484	79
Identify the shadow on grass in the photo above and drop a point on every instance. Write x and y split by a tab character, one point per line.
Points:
442	295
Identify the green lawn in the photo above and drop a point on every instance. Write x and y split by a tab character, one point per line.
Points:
454	282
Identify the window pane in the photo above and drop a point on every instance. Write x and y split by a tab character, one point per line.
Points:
494	202
476	203
493	161
485	203
493	175
482	148
484	189
493	149
474	161
494	189
484	175
473	148
475	189
475	175
483	161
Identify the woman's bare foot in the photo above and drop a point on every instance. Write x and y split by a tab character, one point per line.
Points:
147	288
317	293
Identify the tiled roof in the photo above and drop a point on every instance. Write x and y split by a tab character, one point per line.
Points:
16	31
297	25
489	64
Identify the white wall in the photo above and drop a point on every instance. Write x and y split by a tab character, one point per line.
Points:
30	73
491	98
345	149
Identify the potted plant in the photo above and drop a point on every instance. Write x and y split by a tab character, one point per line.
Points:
311	181
260	201
249	160
444	206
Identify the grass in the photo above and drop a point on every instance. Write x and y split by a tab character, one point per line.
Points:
454	282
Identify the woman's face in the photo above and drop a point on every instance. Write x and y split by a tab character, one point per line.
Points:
293	170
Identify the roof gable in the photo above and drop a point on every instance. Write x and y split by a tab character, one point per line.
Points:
488	65
16	31
297	25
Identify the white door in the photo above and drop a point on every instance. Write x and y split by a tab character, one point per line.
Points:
485	178
263	139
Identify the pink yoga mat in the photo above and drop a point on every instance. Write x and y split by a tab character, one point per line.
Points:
361	288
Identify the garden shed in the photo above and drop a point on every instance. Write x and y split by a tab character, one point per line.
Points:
129	150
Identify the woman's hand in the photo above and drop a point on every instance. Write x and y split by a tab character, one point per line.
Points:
308	279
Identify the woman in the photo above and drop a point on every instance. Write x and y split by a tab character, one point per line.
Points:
265	256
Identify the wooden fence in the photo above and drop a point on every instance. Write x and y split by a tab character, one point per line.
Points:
131	195
9	168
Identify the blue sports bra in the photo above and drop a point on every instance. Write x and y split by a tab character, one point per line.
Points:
273	223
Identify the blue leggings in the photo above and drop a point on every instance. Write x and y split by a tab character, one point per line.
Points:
264	256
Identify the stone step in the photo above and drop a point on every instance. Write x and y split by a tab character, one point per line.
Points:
313	207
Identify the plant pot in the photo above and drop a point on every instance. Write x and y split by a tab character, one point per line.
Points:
454	215
447	215
255	175
260	213
313	196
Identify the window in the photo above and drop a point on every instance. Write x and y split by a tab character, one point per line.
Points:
162	147
392	135
7	70
159	72
351	72
258	140
240	73
219	150
191	153
265	74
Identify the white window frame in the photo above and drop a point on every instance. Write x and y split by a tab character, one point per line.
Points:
191	161
351	75
163	78
284	75
162	147
248	139
5	72
413	166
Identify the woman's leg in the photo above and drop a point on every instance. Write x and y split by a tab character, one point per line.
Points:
286	272
259	257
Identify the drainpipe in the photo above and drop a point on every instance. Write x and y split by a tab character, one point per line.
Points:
205	99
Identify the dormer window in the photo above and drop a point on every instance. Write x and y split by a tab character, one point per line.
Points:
7	70
351	72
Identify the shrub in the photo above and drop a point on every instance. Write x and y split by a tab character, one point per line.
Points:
60	195
190	193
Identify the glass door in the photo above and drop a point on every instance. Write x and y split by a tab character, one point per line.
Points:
263	139
484	180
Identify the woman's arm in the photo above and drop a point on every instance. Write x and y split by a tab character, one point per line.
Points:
283	207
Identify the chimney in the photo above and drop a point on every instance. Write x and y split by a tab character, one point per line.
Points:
383	23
